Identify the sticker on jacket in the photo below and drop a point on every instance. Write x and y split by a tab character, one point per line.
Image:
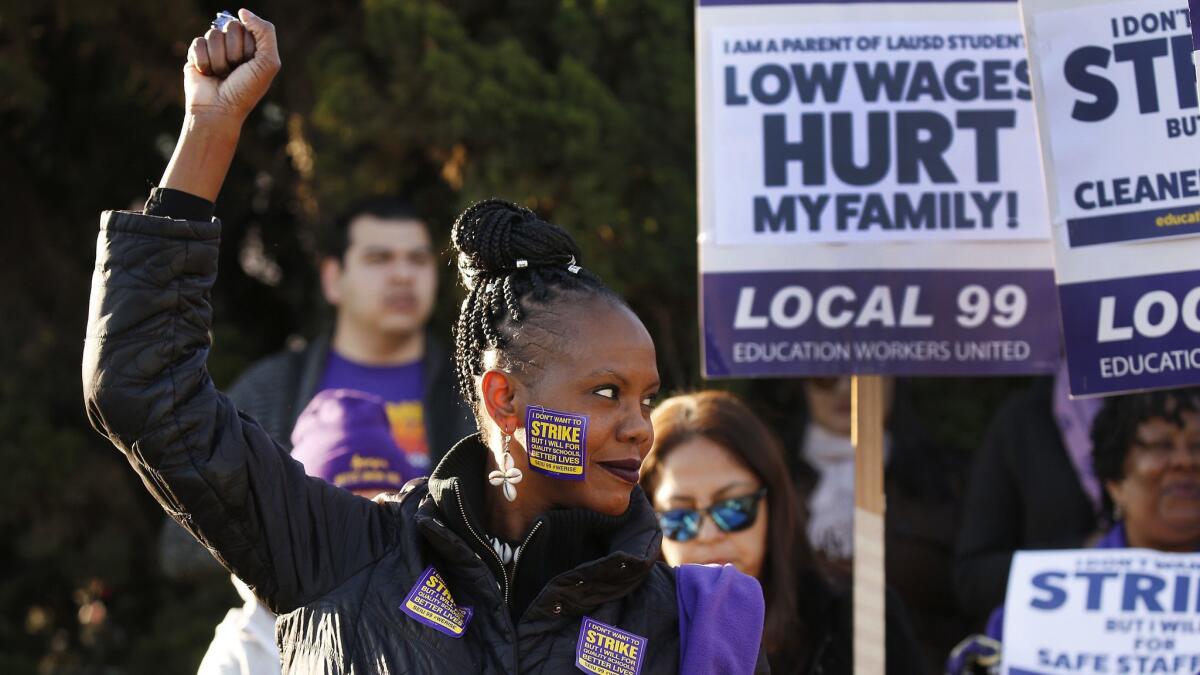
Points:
430	603
606	650
556	442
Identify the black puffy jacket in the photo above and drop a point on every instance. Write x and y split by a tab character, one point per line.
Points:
349	576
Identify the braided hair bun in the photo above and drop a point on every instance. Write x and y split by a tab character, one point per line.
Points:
510	261
493	235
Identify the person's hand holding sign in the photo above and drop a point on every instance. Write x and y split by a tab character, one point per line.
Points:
228	71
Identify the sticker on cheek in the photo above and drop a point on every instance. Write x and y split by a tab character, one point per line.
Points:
556	442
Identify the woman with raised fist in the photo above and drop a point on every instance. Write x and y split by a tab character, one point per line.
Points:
530	549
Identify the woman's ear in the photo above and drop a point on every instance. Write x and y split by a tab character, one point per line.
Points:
500	394
1116	492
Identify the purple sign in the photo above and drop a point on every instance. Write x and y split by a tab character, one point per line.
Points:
892	322
1132	334
430	602
607	650
1193	12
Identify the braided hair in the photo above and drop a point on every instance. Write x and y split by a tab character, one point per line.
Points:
515	266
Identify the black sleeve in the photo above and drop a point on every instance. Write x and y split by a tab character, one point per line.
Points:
179	205
216	472
182	558
990	530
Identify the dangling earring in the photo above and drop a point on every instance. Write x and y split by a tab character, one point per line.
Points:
1118	514
508	475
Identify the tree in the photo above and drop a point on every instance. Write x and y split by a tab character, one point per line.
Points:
580	109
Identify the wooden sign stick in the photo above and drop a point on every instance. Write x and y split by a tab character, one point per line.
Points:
867	435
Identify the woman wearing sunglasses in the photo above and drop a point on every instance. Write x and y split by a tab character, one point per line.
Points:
717	479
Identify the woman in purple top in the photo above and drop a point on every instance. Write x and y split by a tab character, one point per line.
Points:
718	480
1146	454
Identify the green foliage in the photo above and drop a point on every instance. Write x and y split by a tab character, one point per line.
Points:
581	109
88	93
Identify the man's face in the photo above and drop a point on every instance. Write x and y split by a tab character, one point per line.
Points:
387	280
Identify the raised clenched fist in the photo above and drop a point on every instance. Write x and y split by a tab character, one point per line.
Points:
228	71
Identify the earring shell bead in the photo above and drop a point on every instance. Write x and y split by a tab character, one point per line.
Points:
508	478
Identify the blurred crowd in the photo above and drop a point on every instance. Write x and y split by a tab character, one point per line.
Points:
371	405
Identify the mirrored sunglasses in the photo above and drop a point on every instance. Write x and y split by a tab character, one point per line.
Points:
730	515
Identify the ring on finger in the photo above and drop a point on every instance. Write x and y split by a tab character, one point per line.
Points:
223	18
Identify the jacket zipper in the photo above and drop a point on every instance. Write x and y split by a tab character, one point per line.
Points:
517	555
499	562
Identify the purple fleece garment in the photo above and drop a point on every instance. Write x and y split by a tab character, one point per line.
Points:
720	619
343	437
1074	419
1114	539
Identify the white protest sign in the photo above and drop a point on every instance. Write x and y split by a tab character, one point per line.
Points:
893	134
869	190
1128	611
1116	100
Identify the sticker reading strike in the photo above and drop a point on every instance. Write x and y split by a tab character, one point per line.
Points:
606	650
430	602
556	442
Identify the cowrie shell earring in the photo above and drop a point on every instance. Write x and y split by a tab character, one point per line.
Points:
509	475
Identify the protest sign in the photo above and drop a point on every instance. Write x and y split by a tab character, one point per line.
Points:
1115	90
869	191
1102	611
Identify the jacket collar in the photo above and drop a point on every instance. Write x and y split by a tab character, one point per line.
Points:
603	557
433	359
1115	538
312	368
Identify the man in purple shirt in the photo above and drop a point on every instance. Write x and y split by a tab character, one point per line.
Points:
379	272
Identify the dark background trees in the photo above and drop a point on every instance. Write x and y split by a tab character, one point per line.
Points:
580	109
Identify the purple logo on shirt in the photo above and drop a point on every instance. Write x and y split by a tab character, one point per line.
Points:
607	650
556	442
430	602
